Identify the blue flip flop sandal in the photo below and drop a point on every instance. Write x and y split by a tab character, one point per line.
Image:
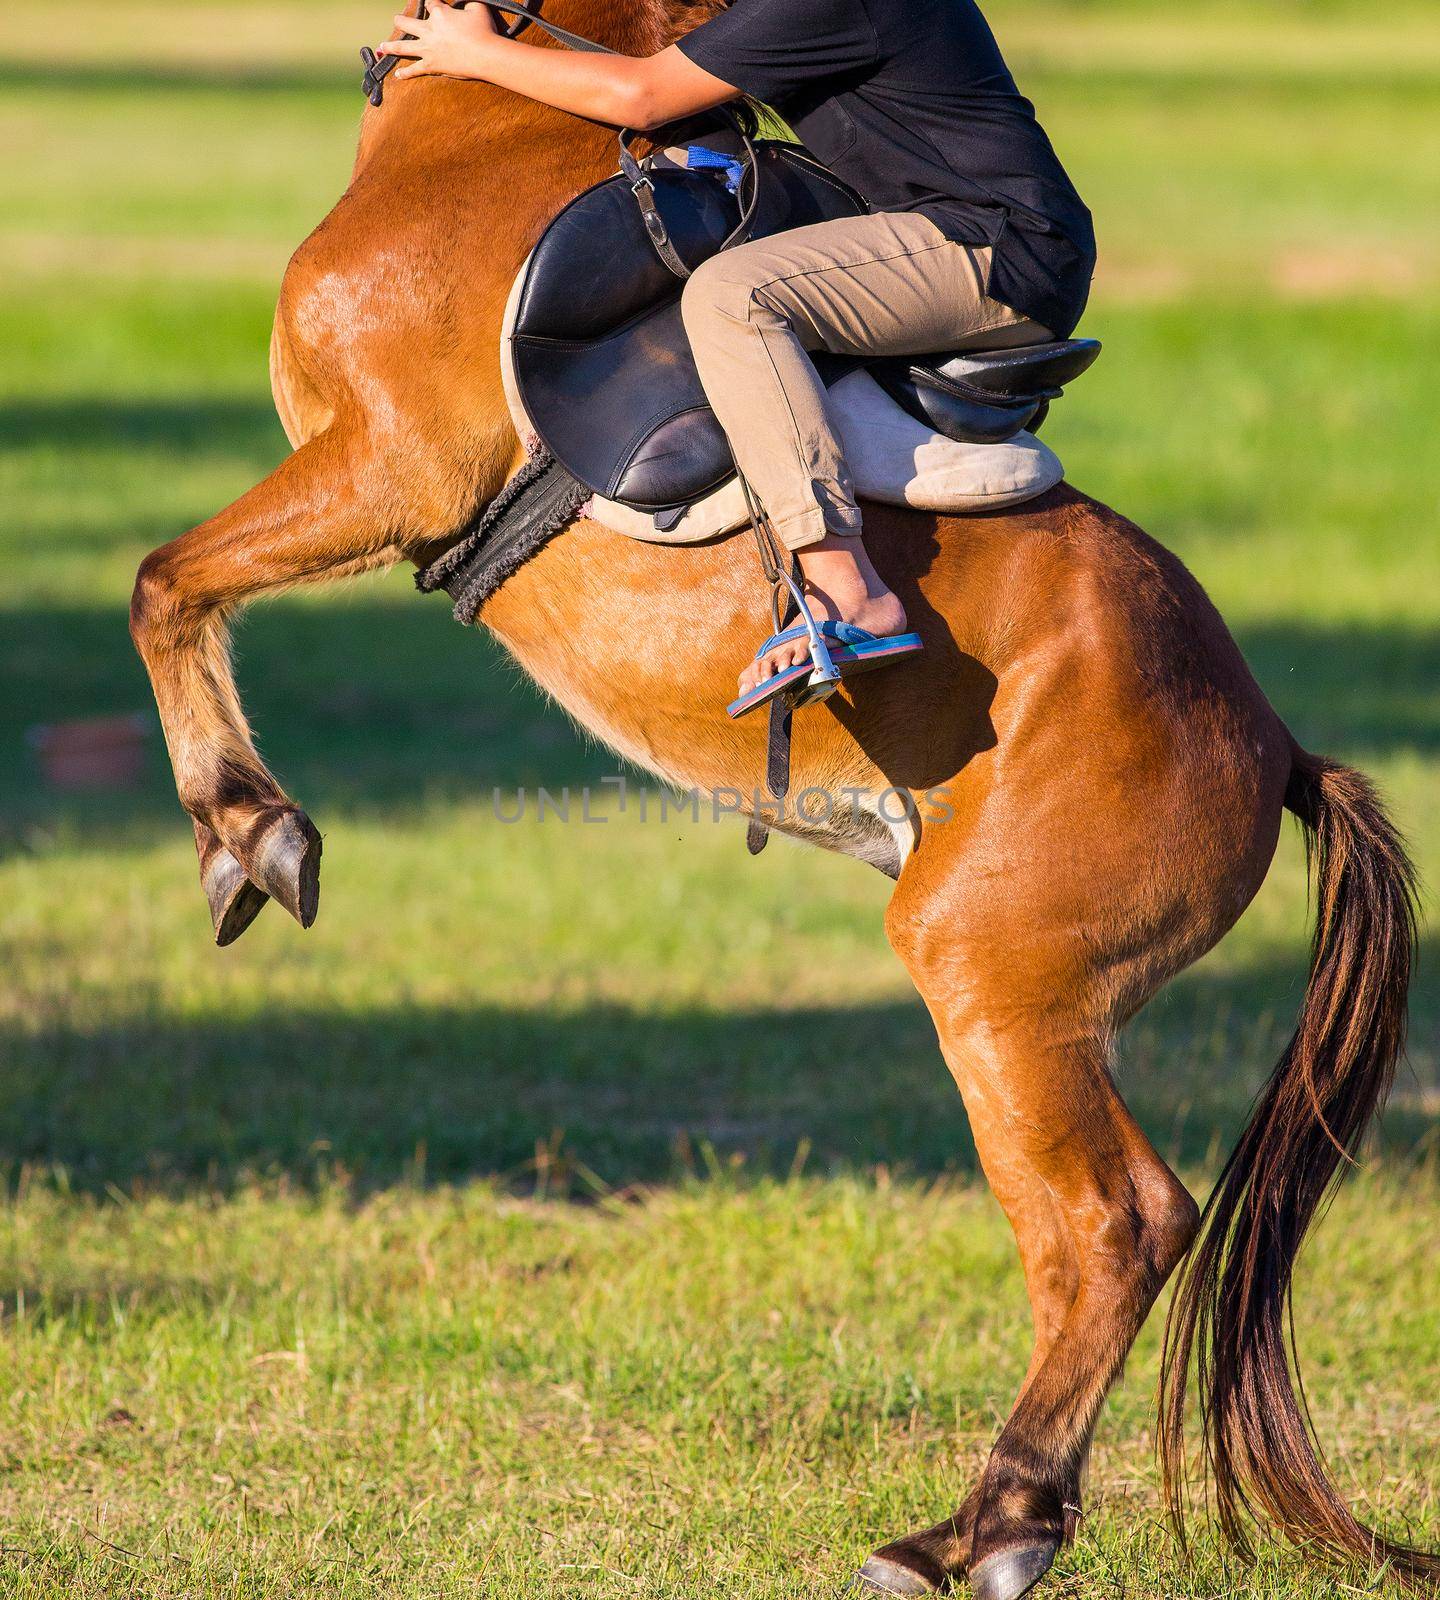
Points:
855	650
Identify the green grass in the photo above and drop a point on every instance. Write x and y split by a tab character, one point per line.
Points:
720	1388
541	1222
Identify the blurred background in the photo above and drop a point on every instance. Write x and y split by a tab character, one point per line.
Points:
552	1149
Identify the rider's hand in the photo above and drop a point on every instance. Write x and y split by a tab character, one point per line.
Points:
450	41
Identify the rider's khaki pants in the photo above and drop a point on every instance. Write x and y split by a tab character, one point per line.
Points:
888	284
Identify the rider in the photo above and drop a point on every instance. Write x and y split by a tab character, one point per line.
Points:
976	236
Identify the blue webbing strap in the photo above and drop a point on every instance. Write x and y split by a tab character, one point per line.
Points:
701	158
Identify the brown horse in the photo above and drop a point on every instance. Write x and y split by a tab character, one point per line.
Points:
1113	783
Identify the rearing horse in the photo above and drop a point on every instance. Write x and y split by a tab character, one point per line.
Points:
1113	781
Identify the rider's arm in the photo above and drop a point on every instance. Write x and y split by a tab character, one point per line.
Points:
627	91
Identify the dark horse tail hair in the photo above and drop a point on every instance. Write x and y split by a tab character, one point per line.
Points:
1231	1311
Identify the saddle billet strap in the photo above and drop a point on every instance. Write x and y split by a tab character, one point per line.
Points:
378	68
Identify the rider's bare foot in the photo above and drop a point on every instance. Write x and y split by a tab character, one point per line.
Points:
841	585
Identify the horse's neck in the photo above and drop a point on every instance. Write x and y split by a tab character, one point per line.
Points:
634	27
687	14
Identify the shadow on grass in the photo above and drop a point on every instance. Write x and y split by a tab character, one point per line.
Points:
566	1098
361	707
372	705
1353	690
264	77
257	78
179	425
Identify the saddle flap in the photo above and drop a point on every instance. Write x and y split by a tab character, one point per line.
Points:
600	360
626	415
595	268
954	414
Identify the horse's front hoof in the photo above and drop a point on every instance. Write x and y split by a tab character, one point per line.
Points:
880	1576
234	901
1010	1573
284	862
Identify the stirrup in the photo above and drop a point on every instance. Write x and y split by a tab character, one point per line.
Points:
807	682
825	675
847	649
820	675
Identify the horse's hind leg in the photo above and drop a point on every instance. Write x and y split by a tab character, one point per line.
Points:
312	518
1099	1218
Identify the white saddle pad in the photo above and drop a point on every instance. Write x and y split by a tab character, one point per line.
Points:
893	458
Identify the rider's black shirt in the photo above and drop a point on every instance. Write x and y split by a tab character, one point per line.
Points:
911	102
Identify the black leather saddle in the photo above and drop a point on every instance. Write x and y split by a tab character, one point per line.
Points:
603	367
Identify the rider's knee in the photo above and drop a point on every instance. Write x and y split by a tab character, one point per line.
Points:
719	293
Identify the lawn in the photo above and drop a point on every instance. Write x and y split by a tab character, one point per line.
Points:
581	1208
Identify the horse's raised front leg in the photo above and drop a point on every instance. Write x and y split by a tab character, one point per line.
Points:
1100	1220
314	517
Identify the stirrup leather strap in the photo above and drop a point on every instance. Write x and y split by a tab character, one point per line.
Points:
748	192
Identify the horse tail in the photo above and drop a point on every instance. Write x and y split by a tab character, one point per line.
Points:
1231	1310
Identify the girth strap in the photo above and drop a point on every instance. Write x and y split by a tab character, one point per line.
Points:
539	502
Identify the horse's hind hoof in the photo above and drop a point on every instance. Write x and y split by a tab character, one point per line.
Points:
881	1576
284	862
234	901
1010	1573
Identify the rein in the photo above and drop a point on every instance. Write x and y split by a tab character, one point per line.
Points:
378	68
